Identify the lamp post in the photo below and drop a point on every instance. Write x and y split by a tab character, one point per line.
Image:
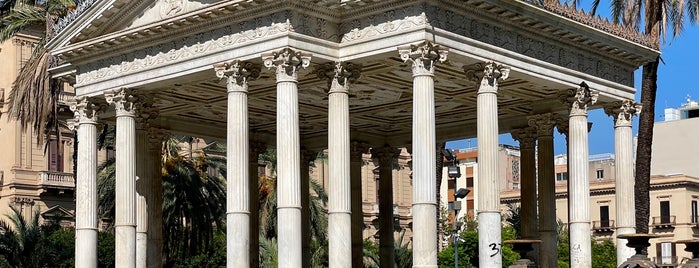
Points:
454	172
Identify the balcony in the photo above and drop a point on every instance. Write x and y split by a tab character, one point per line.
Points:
667	221
57	180
603	226
667	261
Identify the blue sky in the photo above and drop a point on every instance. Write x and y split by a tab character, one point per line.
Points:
678	78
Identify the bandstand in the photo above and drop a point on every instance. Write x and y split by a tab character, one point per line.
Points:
350	76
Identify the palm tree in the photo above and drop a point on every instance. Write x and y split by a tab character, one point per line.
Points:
659	17
33	100
21	246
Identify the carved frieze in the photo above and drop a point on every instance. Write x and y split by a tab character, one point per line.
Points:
371	31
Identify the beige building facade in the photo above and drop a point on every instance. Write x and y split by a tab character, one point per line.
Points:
33	177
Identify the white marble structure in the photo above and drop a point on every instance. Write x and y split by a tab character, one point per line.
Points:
507	60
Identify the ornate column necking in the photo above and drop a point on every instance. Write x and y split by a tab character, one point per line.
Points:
423	58
489	236
339	75
237	75
86	113
386	156
623	112
357	151
546	180
579	181
125	103
143	178
287	63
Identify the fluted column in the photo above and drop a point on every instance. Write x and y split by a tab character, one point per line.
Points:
237	74
86	113
489	234
339	184
579	195
287	63
125	223
254	190
423	58
548	256
622	112
386	156
527	139
306	157
155	198
143	180
357	150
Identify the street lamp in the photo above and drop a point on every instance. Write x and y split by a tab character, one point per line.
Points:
454	172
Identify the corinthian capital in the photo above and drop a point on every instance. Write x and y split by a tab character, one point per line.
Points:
237	73
124	101
623	111
146	111
487	74
423	57
386	154
578	99
287	63
543	123
339	75
86	110
526	137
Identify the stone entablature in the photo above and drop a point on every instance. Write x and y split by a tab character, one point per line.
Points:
221	29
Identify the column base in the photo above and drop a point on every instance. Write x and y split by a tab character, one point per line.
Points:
238	239
489	239
85	248
340	240
289	236
125	246
141	250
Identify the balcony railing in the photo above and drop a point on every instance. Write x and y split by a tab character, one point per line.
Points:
603	226
53	179
667	261
666	221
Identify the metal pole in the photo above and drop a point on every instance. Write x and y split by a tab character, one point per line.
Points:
456	235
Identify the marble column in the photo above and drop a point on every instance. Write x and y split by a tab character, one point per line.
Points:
287	63
254	189
386	157
488	191
306	157
548	256
339	185
622	112
579	192
423	58
155	198
237	74
125	223
144	181
527	139
86	113
357	151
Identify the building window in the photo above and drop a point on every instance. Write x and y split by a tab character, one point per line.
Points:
694	212
55	156
563	176
515	170
604	216
469	182
666	253
600	174
664	211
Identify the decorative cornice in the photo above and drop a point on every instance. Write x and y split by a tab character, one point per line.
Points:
487	74
423	56
371	31
153	60
623	111
339	75
237	74
64	21
287	63
579	99
579	15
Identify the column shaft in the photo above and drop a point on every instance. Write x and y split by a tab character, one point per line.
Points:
125	223
529	225
306	235
86	196
238	179
580	248
386	217
356	154
339	190
142	194
155	202
254	190
489	236
548	257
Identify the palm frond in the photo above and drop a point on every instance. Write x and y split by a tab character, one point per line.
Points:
20	18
